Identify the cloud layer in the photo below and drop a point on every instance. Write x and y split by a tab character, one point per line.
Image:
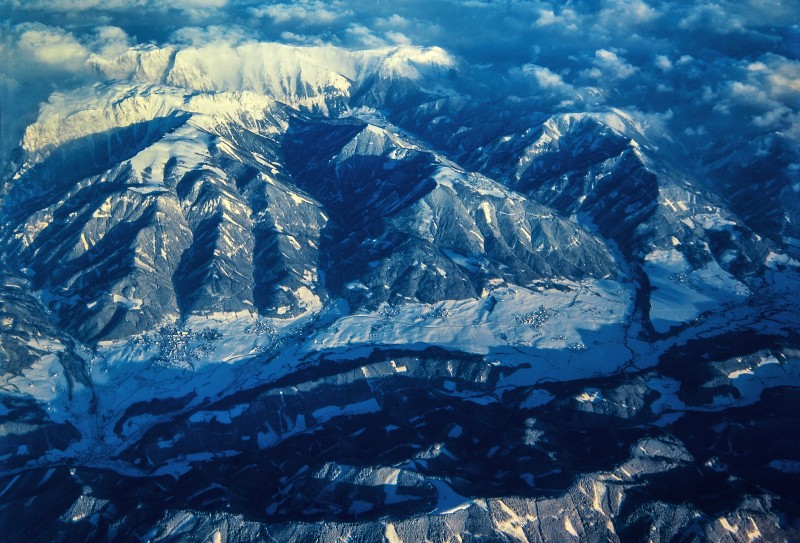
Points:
718	68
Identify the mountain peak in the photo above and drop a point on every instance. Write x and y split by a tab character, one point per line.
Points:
304	76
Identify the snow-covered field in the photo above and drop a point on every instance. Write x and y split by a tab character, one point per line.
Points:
681	294
569	331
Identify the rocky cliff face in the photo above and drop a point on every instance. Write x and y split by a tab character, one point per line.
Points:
322	294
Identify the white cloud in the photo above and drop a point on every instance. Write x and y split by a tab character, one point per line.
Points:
608	64
726	17
70	6
695	131
362	35
398	38
34	60
195	10
748	93
767	91
771	81
546	79
401	30
547	17
712	17
772	118
111	41
52	47
200	35
291	37
779	77
565	20
394	21
307	12
77	5
663	63
626	13
194	4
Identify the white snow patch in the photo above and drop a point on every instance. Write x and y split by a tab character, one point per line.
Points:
222	417
487	209
714	221
536	398
448	500
129	302
569	527
785	466
590	396
775	261
751	382
391	534
680	294
727	526
297	199
324	414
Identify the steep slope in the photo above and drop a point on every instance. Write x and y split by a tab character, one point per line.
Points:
169	221
760	180
30	343
410	225
658	214
621	178
177	212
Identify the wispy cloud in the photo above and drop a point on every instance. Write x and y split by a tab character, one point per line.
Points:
304	12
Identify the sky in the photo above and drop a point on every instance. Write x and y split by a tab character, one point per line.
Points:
704	69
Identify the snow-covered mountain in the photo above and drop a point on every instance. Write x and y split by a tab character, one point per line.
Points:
307	293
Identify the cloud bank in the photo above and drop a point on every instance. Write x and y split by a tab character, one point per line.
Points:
709	69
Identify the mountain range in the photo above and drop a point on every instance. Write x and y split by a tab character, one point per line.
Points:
266	292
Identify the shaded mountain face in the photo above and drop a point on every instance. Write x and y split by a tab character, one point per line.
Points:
409	225
609	172
323	294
